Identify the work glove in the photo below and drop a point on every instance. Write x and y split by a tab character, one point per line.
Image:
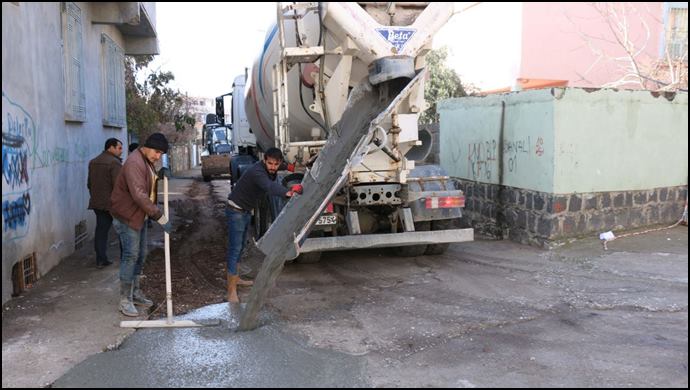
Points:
165	224
296	188
164	172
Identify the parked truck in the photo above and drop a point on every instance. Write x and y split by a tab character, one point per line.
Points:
215	158
315	58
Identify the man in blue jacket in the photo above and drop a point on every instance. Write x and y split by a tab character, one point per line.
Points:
257	181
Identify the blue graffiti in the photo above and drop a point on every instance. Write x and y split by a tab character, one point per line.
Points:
19	145
15	160
14	212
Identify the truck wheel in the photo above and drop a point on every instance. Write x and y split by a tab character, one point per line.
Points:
262	218
207	178
292	178
413	250
308	258
439	249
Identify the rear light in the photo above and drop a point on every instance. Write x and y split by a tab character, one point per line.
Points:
329	208
445	202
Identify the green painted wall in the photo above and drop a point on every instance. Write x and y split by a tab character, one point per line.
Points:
567	140
471	145
619	140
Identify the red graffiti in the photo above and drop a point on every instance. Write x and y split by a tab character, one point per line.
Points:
539	147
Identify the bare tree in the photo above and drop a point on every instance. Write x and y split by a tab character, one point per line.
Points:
626	48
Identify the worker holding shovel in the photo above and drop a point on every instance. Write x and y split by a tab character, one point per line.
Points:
133	200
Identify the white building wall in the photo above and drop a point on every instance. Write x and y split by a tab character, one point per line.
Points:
45	158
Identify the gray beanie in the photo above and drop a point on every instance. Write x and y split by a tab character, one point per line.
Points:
157	141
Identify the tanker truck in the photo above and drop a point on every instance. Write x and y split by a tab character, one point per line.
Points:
314	60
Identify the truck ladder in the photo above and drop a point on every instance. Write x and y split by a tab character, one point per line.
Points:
289	56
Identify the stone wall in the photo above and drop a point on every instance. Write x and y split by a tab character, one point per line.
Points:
539	218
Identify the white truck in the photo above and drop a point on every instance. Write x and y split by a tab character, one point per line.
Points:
315	58
243	141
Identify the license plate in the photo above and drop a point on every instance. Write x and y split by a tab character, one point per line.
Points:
327	220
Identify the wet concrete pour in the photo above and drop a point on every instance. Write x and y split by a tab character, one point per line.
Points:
216	356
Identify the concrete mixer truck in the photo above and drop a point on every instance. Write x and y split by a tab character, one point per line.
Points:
316	58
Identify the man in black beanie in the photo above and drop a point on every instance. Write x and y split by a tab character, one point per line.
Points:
133	200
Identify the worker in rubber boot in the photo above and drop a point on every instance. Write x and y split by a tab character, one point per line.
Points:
258	181
132	202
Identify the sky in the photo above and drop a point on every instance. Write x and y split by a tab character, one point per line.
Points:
206	45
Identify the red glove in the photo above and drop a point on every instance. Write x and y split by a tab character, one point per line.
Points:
291	167
296	188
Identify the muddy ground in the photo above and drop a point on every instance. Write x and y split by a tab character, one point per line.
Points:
197	248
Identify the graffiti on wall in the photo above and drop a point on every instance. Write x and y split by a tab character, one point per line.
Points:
539	147
18	137
513	150
482	157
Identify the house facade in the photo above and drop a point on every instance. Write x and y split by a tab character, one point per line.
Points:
63	96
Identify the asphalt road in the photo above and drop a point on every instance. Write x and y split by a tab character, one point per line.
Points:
485	314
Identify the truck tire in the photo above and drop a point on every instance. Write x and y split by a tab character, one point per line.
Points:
439	249
292	178
207	178
414	250
262	218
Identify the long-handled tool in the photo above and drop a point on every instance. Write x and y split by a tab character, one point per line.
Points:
170	322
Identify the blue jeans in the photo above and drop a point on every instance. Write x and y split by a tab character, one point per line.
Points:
133	244
238	226
103	222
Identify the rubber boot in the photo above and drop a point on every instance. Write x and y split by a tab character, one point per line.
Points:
232	288
126	306
138	296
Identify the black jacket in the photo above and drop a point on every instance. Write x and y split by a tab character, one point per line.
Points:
253	184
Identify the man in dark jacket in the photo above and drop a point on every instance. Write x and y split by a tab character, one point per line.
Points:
133	200
256	182
103	171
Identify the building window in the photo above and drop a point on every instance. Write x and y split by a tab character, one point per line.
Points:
676	31
113	60
72	43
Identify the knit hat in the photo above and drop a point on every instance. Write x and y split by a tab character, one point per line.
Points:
157	141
